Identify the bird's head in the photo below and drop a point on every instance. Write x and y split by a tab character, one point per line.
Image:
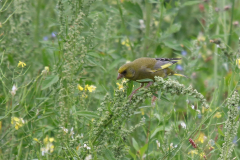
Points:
126	71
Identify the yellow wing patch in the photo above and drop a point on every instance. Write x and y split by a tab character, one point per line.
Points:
181	75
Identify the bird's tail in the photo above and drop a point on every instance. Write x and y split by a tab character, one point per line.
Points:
181	75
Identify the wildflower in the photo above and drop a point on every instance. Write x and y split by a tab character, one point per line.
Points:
238	62
48	145
18	122
54	35
124	80
126	43
142	25
184	53
88	148
158	144
35	139
46	70
128	61
218	115
21	64
14	89
227	7
90	88
193	143
120	86
80	88
183	125
51	139
84	145
200	37
64	129
201	137
142	111
45	38
179	67
235	139
192	152
236	23
72	132
88	157
192	106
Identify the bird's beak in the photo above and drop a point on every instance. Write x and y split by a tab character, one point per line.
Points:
120	76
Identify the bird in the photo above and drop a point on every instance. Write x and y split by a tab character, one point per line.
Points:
147	68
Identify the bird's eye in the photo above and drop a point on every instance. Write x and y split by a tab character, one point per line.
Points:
124	72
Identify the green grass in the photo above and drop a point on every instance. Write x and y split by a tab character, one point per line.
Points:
70	47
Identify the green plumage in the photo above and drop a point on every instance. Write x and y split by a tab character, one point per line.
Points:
143	68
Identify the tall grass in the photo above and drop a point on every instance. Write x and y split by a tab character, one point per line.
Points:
60	98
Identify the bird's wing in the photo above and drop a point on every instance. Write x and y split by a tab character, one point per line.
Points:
163	63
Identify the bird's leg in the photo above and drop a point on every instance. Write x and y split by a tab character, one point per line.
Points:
154	97
142	84
149	84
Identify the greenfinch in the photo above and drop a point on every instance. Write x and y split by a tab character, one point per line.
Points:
147	68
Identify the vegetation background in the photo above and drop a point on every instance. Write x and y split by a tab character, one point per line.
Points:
60	98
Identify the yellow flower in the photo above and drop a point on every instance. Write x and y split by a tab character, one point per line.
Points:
18	122
192	152
238	62
93	119
80	88
142	111
51	139
201	137
205	109
35	139
126	43
120	86
90	88
45	140
124	80
21	64
218	115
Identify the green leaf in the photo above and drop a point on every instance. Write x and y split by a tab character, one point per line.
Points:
135	144
115	64
145	80
94	54
156	131
165	98
108	155
174	28
189	3
220	132
87	114
133	8
130	87
143	149
173	45
49	81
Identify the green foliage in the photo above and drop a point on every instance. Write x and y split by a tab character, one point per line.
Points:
60	98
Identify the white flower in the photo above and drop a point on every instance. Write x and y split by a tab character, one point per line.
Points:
88	157
84	145
88	148
183	125
64	129
158	143
72	132
14	89
192	106
142	25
